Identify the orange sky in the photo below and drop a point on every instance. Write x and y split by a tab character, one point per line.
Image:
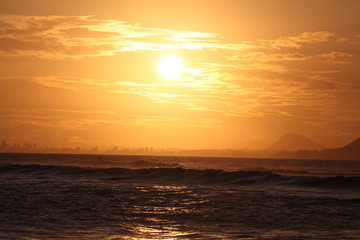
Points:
85	73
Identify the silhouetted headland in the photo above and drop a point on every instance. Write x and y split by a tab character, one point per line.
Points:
293	142
348	152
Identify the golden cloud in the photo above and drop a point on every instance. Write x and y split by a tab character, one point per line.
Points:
57	37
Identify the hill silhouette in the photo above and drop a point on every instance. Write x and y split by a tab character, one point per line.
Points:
292	142
353	147
350	151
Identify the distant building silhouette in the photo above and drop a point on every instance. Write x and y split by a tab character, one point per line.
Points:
3	146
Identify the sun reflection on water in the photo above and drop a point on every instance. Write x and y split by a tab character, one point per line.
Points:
164	212
143	232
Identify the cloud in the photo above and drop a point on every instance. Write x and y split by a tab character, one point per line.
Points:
58	37
244	98
273	77
322	85
51	118
337	57
297	41
332	86
76	37
343	39
269	57
67	119
207	93
209	97
70	83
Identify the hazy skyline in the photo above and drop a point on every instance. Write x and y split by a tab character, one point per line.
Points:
86	73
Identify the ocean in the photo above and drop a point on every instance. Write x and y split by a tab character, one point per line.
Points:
68	196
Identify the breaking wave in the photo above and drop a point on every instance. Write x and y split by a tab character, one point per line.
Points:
180	176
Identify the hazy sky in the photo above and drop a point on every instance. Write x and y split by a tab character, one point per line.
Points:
85	72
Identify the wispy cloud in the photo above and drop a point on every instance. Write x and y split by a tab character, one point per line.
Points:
338	57
57	37
70	83
68	119
269	57
290	76
237	96
297	41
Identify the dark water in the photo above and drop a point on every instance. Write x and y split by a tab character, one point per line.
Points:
47	196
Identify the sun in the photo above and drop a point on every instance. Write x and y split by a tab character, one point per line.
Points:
170	67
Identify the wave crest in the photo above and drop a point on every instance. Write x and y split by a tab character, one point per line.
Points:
180	176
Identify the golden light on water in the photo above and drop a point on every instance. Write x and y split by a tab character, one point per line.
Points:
170	67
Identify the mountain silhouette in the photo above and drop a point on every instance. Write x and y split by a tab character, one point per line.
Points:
348	152
293	142
353	147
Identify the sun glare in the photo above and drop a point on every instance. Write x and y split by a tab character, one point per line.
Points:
170	67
